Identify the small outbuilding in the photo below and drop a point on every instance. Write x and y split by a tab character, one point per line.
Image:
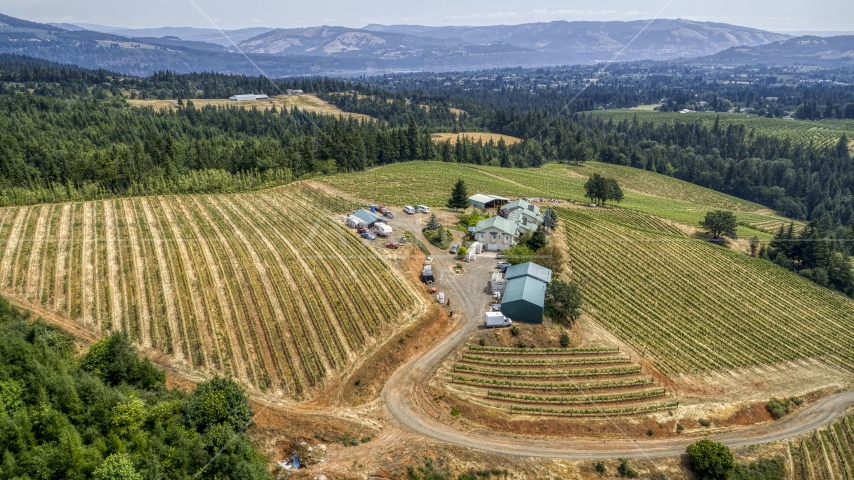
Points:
247	97
369	219
487	201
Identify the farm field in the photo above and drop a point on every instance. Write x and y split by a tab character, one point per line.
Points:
567	382
306	102
245	285
690	306
430	183
822	132
826	453
474	137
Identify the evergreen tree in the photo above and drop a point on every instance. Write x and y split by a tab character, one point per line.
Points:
433	223
550	219
537	240
459	196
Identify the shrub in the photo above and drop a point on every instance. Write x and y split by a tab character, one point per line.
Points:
482	342
776	408
564	339
704	422
680	428
625	470
218	400
600	468
711	460
514	330
455	412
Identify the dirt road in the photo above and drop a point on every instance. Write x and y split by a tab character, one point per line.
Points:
410	381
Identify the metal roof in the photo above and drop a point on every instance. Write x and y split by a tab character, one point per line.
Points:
526	289
368	217
529	269
522	204
481	198
500	223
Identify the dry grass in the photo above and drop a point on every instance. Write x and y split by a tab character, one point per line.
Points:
304	102
475	136
649	108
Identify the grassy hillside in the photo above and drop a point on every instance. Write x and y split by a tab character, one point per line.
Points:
430	183
822	132
305	102
261	286
693	306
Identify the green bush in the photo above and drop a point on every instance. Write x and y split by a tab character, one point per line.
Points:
711	460
564	340
765	469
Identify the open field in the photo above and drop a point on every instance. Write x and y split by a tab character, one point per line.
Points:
690	306
304	102
474	137
266	287
822	132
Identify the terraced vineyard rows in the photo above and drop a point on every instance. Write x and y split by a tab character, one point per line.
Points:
555	381
266	287
825	454
692	306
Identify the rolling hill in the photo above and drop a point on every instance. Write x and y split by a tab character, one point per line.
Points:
376	48
806	50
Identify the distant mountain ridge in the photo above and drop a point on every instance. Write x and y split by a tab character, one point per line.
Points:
642	39
807	50
209	35
376	49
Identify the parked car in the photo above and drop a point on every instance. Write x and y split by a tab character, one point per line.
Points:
454	248
499	255
369	236
388	214
496	307
363	230
502	263
503	268
409	210
423	209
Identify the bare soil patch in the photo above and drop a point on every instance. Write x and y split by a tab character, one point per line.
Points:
474	137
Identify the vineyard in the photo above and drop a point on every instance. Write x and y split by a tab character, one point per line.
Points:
555	381
266	287
560	182
825	454
430	183
823	133
691	306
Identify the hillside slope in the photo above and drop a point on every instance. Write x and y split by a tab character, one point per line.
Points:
241	284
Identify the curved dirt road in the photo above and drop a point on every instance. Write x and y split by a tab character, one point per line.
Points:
403	388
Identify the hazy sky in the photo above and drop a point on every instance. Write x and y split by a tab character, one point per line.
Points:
776	15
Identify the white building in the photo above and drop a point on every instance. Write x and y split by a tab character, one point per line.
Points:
247	97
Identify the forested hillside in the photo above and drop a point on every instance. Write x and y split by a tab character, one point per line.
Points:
69	134
107	414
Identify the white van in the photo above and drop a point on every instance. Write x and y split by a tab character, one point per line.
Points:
423	209
409	210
